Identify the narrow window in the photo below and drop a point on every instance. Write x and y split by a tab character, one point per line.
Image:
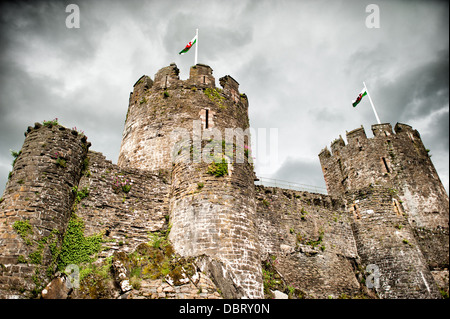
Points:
389	143
340	166
386	165
165	85
206	118
204	79
356	211
397	208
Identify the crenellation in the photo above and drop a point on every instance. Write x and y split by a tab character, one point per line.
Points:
325	153
145	82
400	127
382	130
357	137
167	77
337	145
230	88
201	76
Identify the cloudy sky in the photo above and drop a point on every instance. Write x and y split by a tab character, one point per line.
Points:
301	63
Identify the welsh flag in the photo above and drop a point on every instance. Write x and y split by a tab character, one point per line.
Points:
189	45
359	98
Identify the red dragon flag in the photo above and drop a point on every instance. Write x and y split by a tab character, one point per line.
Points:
363	93
189	45
359	98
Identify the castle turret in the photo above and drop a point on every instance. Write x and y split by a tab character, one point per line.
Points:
399	163
177	125
397	160
158	108
36	206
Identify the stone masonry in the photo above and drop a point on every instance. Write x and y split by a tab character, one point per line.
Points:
179	215
37	202
400	166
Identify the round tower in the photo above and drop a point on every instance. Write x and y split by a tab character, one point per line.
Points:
158	108
399	162
36	205
199	133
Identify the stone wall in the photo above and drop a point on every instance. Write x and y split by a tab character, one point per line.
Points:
125	217
310	239
217	219
386	240
159	109
36	205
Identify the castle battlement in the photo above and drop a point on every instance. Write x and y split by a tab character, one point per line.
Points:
200	77
160	106
357	137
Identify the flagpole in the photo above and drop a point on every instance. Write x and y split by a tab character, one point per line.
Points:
196	46
371	103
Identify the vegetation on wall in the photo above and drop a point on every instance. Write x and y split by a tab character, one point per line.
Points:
218	169
77	248
214	94
60	160
121	184
272	281
51	122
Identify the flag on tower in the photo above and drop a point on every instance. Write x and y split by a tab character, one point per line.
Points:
365	92
359	98
189	45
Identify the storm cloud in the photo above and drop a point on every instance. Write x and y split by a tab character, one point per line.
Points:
301	63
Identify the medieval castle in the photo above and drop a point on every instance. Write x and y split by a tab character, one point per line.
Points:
161	225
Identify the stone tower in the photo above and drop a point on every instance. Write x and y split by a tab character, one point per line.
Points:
36	206
172	126
390	180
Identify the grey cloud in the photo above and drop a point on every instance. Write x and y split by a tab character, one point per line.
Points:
284	54
43	23
418	91
301	171
438	137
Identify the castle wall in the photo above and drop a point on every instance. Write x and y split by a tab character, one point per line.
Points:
387	208
126	219
385	241
160	108
37	203
310	238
